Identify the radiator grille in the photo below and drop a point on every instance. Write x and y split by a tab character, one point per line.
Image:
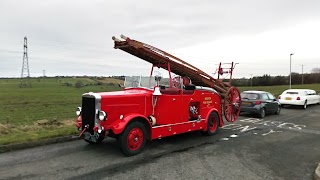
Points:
88	113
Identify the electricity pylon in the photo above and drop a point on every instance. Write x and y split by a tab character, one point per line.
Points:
25	74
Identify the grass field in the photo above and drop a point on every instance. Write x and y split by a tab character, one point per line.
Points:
48	108
23	110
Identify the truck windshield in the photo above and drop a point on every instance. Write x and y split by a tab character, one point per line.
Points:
143	81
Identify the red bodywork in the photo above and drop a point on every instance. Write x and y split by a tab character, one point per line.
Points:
172	110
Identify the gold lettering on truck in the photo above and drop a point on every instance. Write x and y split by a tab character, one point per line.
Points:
207	100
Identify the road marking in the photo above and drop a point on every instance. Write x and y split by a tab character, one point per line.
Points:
308	131
275	124
271	131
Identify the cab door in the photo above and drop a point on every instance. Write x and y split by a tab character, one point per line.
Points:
168	109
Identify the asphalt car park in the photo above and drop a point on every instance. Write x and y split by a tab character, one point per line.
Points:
284	146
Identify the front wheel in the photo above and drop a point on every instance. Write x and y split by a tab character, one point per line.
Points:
213	124
133	139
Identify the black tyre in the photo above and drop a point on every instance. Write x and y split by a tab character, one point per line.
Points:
213	124
133	139
278	110
99	140
304	105
262	113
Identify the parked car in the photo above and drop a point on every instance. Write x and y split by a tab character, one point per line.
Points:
299	97
259	102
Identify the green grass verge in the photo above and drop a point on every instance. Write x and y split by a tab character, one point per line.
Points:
18	136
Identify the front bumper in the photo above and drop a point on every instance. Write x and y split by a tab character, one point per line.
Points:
89	137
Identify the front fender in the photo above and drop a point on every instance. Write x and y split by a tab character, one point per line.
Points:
120	124
79	122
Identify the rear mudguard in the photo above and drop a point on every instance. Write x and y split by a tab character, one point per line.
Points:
219	114
119	125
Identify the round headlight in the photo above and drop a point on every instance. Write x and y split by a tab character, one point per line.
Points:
78	111
102	116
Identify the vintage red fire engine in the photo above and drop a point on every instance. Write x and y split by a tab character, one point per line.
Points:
155	107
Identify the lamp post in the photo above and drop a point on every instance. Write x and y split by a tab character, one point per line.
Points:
290	72
302	74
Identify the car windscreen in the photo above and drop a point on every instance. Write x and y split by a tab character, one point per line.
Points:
249	96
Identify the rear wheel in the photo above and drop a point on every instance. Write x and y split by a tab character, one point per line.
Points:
133	139
262	113
213	124
278	110
304	105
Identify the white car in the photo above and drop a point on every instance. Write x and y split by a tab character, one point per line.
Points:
300	97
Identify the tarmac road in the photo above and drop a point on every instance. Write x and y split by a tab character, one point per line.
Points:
285	146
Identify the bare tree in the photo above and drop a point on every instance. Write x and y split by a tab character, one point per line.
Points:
315	70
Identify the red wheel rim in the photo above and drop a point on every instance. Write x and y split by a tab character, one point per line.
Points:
135	138
232	104
214	124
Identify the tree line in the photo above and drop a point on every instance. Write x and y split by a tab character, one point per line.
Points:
267	80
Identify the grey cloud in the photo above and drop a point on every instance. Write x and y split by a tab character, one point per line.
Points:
73	33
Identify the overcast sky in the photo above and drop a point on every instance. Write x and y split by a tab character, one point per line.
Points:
74	37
